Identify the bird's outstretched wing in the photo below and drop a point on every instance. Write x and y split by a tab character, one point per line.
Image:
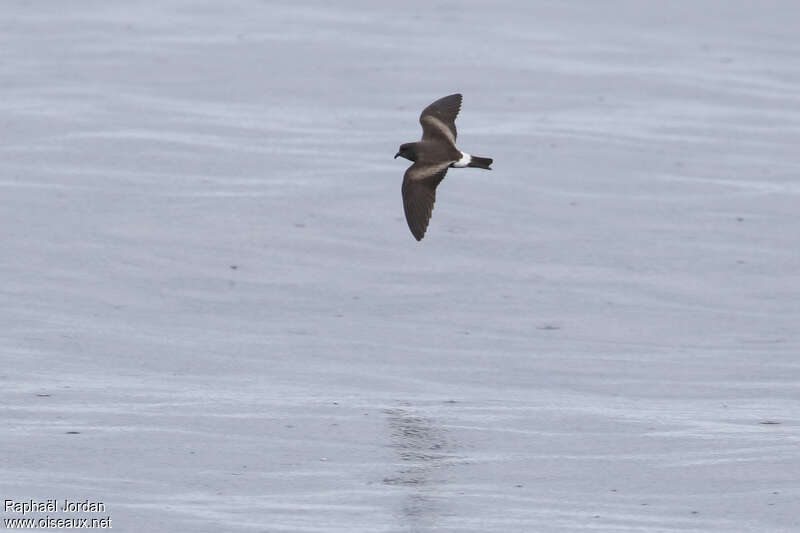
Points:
438	120
419	194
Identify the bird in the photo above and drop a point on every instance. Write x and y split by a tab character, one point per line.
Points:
432	156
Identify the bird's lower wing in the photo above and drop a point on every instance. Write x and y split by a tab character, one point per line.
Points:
419	195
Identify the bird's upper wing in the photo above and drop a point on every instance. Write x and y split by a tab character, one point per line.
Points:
439	119
419	194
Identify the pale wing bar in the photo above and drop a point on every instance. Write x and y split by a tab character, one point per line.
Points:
433	127
438	120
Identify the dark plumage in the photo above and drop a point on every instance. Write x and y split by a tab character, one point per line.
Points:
432	156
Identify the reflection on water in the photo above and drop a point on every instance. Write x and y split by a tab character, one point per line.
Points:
422	449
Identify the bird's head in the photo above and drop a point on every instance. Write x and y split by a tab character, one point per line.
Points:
407	150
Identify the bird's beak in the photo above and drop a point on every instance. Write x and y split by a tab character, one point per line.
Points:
395	155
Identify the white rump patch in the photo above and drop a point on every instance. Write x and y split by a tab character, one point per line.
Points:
464	161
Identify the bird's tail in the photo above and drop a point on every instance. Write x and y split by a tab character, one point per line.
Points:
480	162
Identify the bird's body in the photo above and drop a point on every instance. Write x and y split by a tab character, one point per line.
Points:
432	156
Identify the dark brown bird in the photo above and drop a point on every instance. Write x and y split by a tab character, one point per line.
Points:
432	156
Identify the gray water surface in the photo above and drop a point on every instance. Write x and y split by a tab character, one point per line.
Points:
214	317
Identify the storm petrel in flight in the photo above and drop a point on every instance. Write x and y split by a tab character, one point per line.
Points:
432	156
